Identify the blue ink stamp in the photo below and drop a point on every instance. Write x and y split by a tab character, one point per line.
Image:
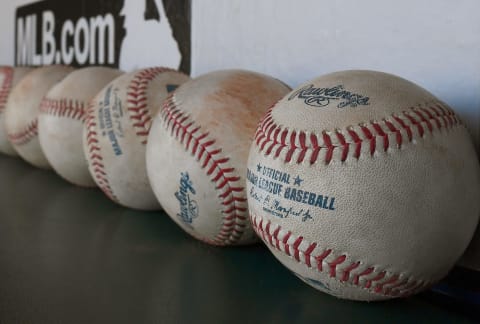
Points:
188	206
109	116
275	190
315	283
297	181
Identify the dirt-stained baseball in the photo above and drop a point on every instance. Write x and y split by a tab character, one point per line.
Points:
115	133
9	77
198	148
23	107
471	258
60	123
364	185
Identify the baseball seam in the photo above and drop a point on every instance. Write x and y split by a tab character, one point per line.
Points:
300	146
97	167
29	132
202	147
62	108
5	87
74	109
374	279
137	105
26	135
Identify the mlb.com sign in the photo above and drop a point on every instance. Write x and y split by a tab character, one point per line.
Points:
86	41
129	34
73	33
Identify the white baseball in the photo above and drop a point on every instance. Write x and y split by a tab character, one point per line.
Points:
60	123
9	77
364	185
116	129
23	108
198	149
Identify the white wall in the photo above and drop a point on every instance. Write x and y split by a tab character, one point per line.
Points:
7	29
433	43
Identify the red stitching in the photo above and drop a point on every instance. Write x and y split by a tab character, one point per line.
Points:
374	279
296	244
418	124
346	271
378	129
343	143
357	141
404	126
307	252
333	265
329	146
26	135
378	277
366	272
96	161
232	194
64	108
137	100
370	138
273	139
320	258
6	86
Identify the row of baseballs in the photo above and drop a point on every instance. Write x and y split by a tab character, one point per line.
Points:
363	184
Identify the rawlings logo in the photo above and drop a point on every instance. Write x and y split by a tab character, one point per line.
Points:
321	97
188	207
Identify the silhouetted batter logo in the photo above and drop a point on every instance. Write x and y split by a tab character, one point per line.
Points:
128	34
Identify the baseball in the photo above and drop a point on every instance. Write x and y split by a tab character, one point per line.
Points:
197	152
23	108
471	258
61	118
9	77
364	185
115	133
